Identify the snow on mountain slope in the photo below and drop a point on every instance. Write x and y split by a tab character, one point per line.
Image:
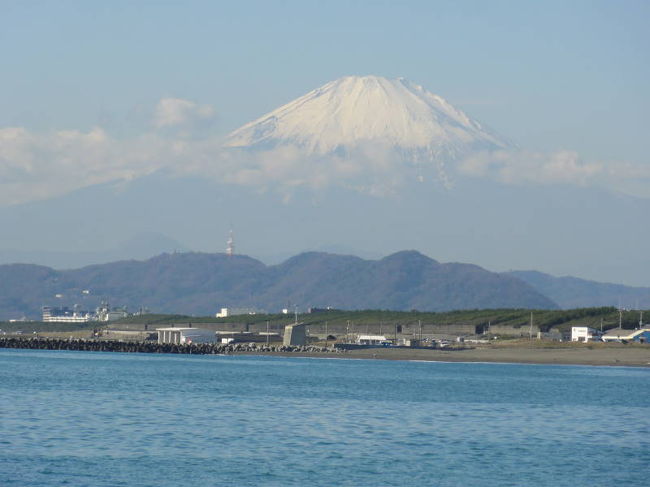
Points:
354	111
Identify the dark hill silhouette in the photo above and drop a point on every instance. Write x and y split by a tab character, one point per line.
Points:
200	284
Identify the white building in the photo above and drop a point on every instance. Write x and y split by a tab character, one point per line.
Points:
372	340
226	312
66	315
105	313
584	334
181	336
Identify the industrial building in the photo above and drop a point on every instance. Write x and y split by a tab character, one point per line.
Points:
619	334
180	336
77	315
66	315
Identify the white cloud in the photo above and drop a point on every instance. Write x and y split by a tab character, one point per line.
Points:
174	112
516	167
42	165
285	168
38	166
562	167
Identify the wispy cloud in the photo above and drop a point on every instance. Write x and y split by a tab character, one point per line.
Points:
515	167
561	167
174	112
38	166
42	165
370	169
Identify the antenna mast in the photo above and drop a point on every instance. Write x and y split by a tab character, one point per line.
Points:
230	249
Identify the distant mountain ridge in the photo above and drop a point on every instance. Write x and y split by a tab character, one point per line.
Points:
572	292
199	283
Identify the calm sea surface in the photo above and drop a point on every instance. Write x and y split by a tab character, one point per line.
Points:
108	419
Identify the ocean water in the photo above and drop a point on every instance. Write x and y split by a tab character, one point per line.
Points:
108	419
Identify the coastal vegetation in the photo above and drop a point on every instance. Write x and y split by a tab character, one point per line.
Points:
545	320
561	320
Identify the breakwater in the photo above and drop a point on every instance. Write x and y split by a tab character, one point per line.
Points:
153	347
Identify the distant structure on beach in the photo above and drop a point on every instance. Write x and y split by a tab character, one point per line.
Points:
66	315
77	315
226	312
295	335
185	335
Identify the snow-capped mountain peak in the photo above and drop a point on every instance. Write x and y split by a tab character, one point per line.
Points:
355	110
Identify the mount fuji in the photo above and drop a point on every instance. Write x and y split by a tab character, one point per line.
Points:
365	115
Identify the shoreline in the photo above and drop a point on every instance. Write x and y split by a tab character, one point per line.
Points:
540	353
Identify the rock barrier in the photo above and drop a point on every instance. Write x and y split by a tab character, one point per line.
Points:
153	347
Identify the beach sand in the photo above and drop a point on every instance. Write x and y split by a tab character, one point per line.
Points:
523	353
507	351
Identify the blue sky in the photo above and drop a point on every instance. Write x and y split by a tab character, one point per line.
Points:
550	75
97	92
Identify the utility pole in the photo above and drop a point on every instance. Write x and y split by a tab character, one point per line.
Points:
530	329
267	333
620	318
420	325
601	324
347	332
326	335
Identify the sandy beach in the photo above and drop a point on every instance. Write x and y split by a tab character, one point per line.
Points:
511	351
523	353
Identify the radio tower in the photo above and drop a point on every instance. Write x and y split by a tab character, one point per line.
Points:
230	249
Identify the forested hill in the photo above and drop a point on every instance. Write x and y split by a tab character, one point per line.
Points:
200	284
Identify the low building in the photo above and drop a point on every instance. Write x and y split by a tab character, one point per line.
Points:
641	335
226	312
372	340
182	336
244	337
584	334
320	310
105	313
